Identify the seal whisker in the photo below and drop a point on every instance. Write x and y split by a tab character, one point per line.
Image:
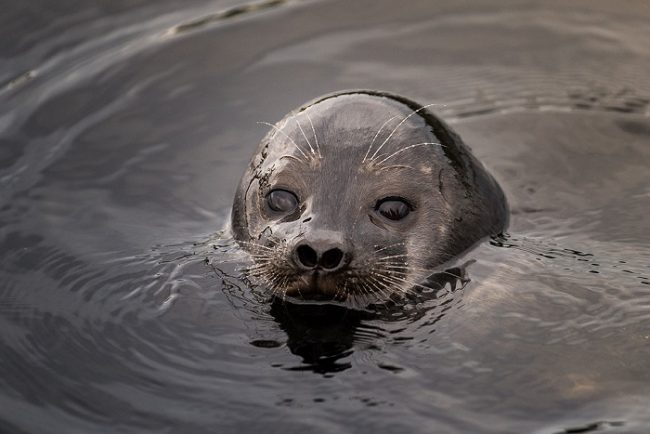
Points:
367	293
373	281
396	267
383	264
406	149
390	261
254	244
313	130
396	263
264	274
278	282
401	286
405	265
403	255
375	138
389	246
371	288
377	274
287	136
262	255
382	289
260	263
274	277
305	136
306	242
257	245
359	291
399	125
283	286
262	260
254	268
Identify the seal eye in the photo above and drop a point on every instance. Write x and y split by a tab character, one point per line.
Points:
282	201
393	208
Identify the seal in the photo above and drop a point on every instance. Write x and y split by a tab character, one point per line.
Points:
361	195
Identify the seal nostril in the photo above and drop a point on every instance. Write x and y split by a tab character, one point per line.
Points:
331	258
307	256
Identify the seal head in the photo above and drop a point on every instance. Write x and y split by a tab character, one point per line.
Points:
360	195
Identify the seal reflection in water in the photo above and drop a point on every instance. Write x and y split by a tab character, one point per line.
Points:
360	195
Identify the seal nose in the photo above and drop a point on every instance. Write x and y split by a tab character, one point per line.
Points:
307	257
329	258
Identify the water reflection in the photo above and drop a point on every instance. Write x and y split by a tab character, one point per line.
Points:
125	125
324	335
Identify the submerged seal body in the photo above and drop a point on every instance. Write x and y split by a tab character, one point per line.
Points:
359	195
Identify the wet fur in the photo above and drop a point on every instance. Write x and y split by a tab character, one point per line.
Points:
312	148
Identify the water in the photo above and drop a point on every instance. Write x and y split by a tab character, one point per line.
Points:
124	129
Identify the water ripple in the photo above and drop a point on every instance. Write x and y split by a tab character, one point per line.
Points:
235	11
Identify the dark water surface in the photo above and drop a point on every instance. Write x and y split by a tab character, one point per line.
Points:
125	126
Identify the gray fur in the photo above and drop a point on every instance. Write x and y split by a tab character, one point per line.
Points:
355	156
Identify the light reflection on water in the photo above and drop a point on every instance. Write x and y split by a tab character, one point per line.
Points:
124	130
